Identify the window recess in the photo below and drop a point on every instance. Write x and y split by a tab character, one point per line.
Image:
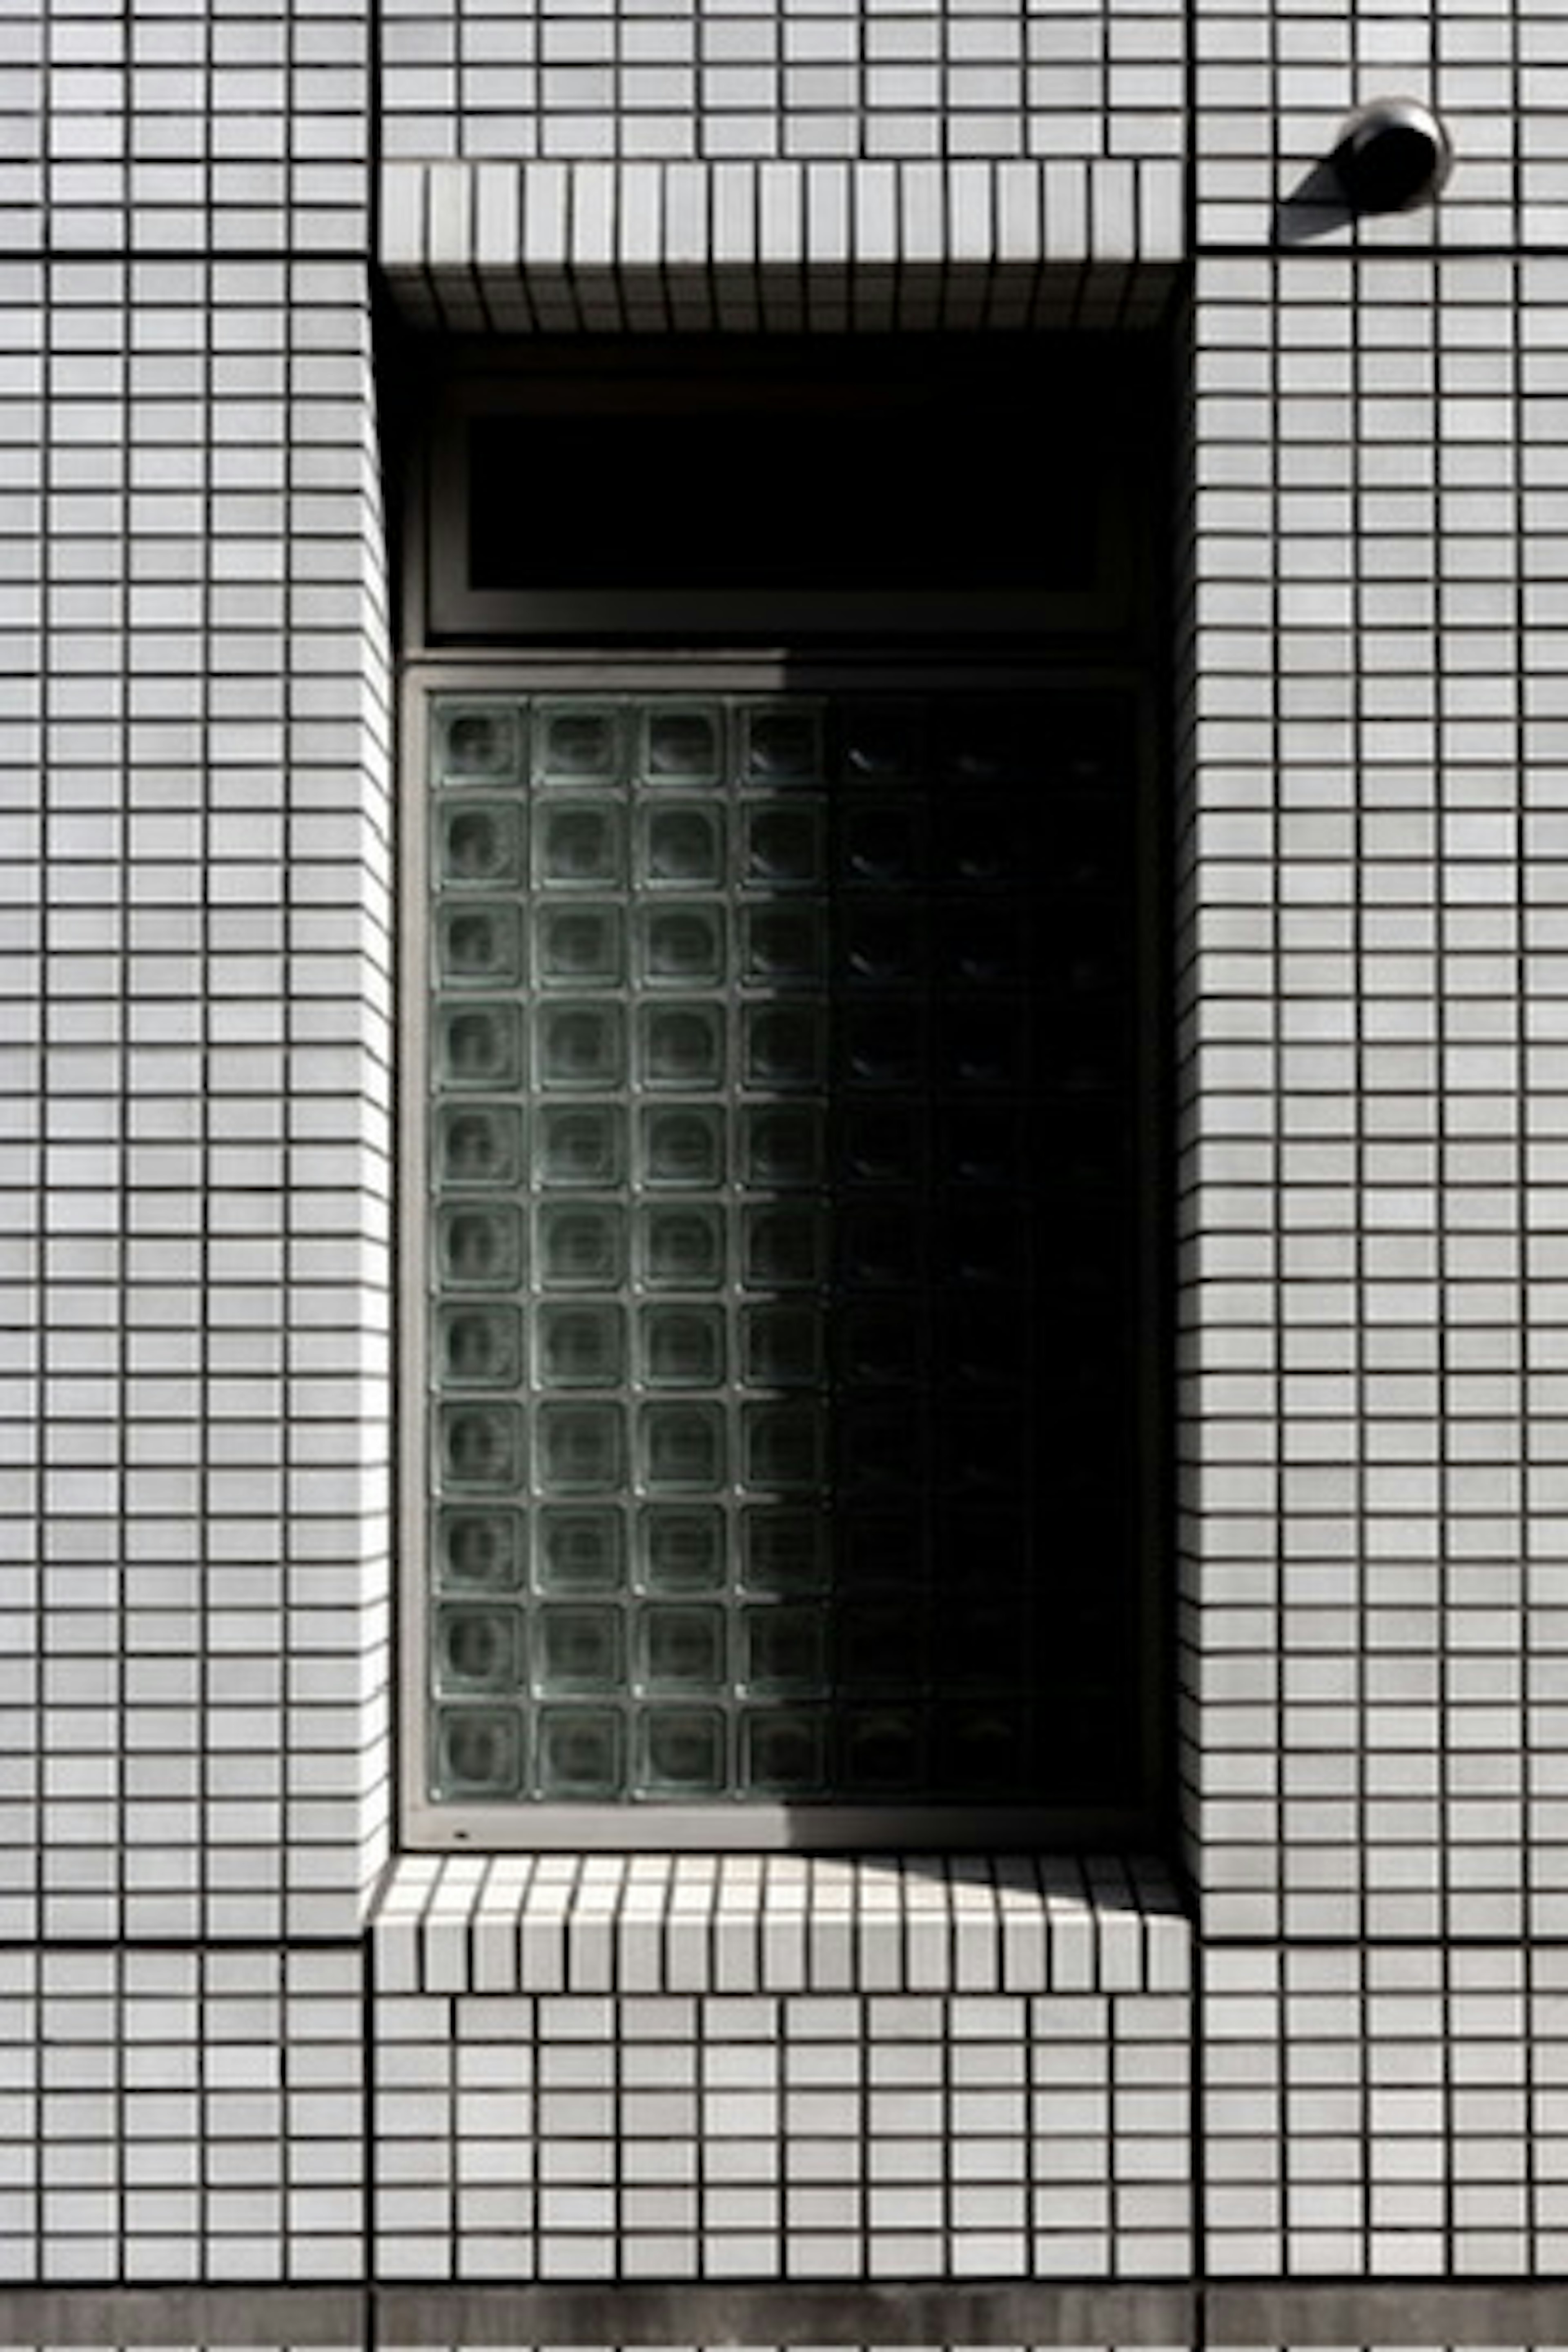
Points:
783	1464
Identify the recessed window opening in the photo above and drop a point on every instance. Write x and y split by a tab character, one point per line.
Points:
782	1133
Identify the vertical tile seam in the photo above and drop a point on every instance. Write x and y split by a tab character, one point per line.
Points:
288	1302
1435	338
46	1102
206	294
1532	2180
1361	1939
1275	298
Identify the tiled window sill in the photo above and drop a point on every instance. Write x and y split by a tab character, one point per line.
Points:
780	1924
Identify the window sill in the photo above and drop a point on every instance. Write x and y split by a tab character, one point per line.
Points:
649	1924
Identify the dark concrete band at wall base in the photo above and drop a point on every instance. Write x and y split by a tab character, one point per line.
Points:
1181	2316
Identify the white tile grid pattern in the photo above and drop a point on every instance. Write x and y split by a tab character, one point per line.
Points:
1393	2113
651	79
178	2114
779	1923
1374	1483
195	750
242	130
809	2137
581	248
1275	85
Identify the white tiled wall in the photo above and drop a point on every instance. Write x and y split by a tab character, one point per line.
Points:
751	78
195	1186
195	762
174	2113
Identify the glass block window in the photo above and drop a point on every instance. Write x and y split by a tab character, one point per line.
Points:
783	1330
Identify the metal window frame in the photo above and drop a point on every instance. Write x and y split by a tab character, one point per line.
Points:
738	1826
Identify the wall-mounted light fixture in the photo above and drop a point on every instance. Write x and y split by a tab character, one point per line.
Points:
1393	155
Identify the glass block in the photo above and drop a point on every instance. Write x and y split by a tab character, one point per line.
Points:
784	1648
989	742
579	1346
981	1451
986	947
480	944
1090	843
581	1753
578	1649
580	843
481	1446
479	1045
480	1246
479	1143
681	1046
883	1144
682	1752
682	1347
980	1341
681	1648
987	1145
681	945
879	744
782	846
782	1045
681	1247
781	1444
784	1551
784	1751
983	840
484	742
579	1448
682	1145
477	1752
881	1646
882	1346
781	746
576	946
986	1752
781	1346
683	745
983	1249
577	742
883	842
875	1443
581	1246
783	944
783	1248
881	946
479	841
988	1046
883	1749
986	1643
682	1549
782	1145
483	1549
880	1248
479	1347
887	1547
681	1447
578	1549
581	1045
681	845
478	1649
882	1045
581	1144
